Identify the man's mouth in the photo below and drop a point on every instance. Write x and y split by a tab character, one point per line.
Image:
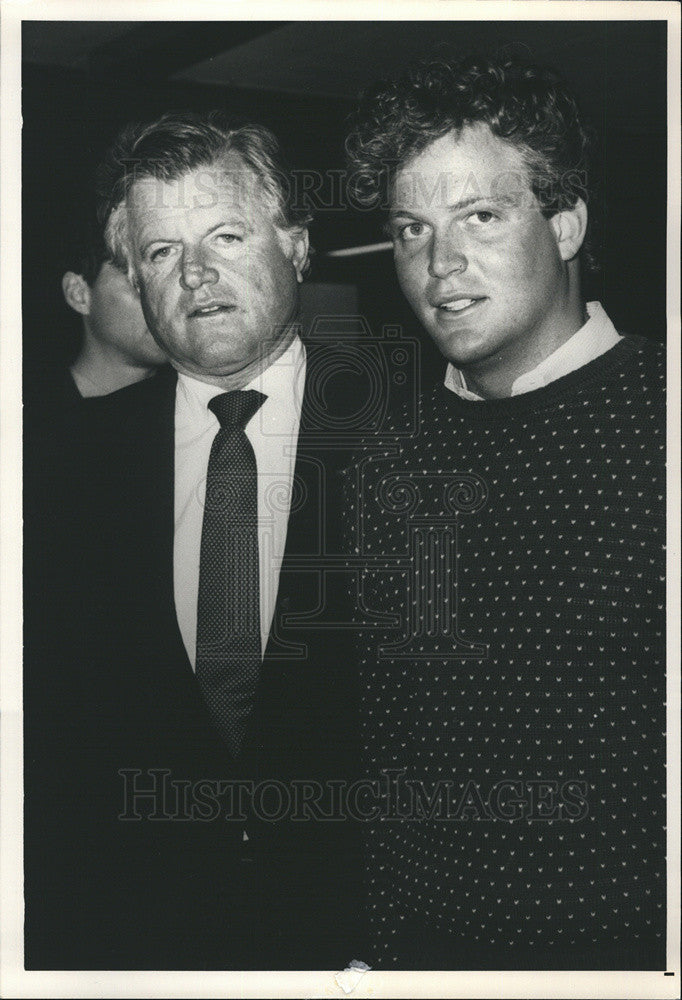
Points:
457	305
211	310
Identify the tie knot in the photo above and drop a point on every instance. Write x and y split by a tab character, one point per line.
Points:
235	409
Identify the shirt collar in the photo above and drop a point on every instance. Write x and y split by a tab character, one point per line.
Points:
594	338
282	381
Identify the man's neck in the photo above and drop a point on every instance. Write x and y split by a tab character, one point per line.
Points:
98	373
494	378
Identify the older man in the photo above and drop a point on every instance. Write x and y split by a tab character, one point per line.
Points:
521	712
190	538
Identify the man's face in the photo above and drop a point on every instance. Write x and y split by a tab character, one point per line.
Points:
217	277
116	320
475	257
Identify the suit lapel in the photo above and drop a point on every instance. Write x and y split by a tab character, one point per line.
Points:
305	538
301	718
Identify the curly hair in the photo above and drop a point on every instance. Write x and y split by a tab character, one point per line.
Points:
526	106
177	143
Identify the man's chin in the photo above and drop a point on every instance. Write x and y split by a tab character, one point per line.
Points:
462	349
219	367
222	354
227	356
208	370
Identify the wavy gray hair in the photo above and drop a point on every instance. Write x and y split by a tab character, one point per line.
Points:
174	145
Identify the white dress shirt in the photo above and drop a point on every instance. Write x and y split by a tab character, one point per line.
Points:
593	339
273	433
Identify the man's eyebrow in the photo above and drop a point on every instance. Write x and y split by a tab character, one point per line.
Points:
145	243
234	222
456	206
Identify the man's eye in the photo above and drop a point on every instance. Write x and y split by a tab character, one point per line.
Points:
160	253
482	217
229	238
411	231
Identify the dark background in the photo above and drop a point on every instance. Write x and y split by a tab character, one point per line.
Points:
83	80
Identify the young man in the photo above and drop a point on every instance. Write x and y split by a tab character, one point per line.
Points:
524	700
117	349
114	346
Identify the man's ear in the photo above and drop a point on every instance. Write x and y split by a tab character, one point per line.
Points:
76	292
301	247
570	227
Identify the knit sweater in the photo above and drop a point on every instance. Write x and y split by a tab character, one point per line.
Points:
519	546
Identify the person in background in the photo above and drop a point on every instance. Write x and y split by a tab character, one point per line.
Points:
116	348
522	708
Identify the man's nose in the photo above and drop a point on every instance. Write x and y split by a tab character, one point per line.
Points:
447	256
196	272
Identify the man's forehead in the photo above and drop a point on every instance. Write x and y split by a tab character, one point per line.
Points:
227	182
460	167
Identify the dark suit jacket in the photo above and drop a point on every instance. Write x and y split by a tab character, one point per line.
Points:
112	708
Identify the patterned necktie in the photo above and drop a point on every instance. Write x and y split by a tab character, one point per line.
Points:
228	614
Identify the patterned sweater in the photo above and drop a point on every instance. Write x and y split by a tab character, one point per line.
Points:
513	681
